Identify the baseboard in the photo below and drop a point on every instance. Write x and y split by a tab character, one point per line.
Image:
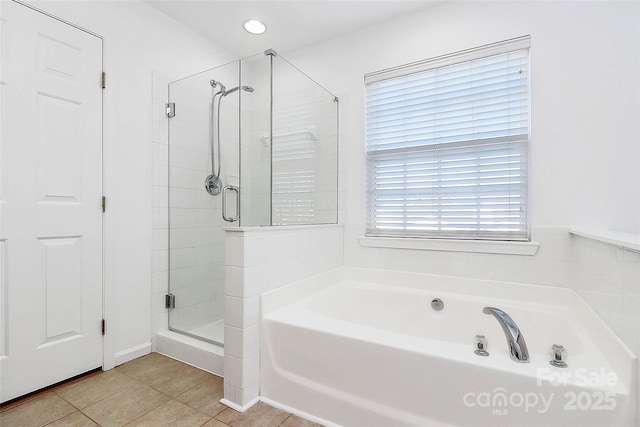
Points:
132	353
237	407
298	413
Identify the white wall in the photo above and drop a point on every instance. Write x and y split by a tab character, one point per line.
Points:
137	40
585	148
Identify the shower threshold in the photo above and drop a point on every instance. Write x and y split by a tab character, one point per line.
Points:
212	332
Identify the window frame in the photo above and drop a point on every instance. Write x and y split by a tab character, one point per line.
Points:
476	234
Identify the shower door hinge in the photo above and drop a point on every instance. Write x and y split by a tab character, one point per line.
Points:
104	327
171	109
104	204
104	80
170	301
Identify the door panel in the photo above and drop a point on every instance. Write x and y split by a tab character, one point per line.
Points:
51	224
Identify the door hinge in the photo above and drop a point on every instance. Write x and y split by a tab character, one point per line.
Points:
104	204
171	109
104	327
104	80
169	301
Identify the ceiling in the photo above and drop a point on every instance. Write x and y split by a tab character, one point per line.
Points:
291	24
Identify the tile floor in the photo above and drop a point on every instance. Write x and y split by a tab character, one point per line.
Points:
153	390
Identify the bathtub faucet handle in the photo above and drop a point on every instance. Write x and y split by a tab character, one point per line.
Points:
481	346
558	353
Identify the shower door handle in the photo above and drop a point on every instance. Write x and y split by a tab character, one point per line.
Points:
225	191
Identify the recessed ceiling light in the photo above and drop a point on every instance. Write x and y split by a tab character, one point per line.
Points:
254	26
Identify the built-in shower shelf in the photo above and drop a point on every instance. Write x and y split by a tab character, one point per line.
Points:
629	241
311	134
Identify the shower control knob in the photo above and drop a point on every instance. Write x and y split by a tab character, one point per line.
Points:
213	185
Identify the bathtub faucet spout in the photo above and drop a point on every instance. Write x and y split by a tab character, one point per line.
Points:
517	345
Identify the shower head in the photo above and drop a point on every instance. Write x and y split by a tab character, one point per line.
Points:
215	84
244	88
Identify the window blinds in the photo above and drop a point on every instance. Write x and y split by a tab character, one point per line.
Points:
447	147
293	176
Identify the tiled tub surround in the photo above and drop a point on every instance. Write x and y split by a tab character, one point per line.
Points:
258	260
329	342
606	275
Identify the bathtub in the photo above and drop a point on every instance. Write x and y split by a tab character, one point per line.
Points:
360	347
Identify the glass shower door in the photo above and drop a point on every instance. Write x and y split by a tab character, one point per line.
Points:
196	224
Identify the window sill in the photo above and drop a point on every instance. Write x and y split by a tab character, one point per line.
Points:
475	246
629	241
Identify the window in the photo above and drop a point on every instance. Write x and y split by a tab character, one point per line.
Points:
447	146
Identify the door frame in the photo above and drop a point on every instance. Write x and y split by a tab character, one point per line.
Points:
108	359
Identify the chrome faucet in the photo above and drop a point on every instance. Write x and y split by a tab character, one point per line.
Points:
517	345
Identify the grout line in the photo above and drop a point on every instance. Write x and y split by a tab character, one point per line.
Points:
87	416
285	420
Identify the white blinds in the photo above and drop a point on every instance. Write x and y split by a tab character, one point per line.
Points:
448	148
293	172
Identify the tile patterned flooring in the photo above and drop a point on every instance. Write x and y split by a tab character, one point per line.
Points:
153	390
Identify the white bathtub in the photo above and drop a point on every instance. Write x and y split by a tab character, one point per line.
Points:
360	347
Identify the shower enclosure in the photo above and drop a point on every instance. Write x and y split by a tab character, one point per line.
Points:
251	143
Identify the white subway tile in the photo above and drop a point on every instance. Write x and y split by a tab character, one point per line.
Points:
230	393
251	340
233	311
250	370
159	260
562	275
352	256
250	393
160	197
631	280
251	312
160	281
616	306
234	277
258	279
233	371
631	325
255	250
158	304
234	251
160	154
233	341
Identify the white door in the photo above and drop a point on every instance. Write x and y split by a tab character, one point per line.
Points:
50	201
